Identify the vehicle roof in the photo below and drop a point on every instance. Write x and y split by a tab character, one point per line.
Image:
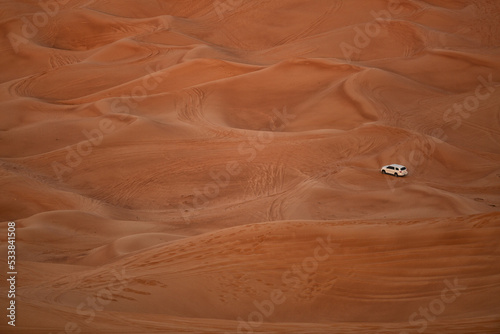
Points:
396	165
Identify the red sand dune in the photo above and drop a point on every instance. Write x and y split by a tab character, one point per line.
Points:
214	166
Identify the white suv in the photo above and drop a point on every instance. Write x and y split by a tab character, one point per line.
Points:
394	169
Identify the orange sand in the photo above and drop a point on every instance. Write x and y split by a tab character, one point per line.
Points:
214	166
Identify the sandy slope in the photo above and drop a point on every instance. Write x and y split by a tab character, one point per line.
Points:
213	167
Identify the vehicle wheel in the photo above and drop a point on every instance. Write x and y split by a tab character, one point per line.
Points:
383	171
396	175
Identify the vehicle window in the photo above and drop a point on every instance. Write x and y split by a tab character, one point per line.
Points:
390	167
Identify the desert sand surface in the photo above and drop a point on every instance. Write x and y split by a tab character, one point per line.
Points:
214	166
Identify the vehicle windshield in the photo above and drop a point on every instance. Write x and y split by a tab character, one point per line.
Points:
403	168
